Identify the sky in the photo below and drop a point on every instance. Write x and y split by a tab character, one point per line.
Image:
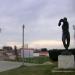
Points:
40	18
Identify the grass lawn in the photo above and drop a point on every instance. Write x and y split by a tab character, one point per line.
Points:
36	60
34	70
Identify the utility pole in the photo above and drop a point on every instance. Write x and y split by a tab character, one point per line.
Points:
23	42
0	29
74	31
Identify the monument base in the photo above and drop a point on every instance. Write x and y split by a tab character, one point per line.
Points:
66	61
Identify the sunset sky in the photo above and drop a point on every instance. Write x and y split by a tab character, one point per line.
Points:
40	18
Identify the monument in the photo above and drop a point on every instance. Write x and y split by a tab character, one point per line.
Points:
66	59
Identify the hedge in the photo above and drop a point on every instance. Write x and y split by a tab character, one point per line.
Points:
53	54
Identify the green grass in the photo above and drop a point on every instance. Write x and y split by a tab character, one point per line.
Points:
37	60
34	70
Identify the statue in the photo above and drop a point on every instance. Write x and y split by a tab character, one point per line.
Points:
65	32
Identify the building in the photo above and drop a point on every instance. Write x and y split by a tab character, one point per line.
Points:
28	52
43	53
36	53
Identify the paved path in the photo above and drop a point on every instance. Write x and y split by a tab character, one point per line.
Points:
7	65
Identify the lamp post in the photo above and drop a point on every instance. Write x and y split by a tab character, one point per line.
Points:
23	42
0	29
74	31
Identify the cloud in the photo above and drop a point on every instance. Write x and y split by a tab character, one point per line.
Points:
49	44
13	43
46	44
37	44
40	18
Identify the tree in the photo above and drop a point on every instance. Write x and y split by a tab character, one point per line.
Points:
16	53
44	49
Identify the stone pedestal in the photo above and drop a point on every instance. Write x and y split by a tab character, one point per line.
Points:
66	61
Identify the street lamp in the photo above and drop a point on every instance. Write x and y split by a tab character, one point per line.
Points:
74	30
23	42
0	29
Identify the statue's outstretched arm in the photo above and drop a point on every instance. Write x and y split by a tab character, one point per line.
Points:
61	20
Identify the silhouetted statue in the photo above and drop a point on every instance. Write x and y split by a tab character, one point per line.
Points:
65	32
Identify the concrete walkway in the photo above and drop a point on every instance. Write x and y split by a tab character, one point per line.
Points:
7	65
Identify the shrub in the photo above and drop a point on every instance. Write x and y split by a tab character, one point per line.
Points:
53	54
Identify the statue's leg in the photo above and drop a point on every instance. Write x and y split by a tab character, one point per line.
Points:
68	40
64	41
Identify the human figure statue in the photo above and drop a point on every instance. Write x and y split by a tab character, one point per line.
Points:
65	32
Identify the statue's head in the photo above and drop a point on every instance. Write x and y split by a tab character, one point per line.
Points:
65	19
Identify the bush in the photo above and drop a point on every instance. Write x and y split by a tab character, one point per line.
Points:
53	54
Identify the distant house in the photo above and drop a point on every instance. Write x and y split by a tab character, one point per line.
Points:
31	52
44	53
8	53
9	48
36	53
28	52
3	55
